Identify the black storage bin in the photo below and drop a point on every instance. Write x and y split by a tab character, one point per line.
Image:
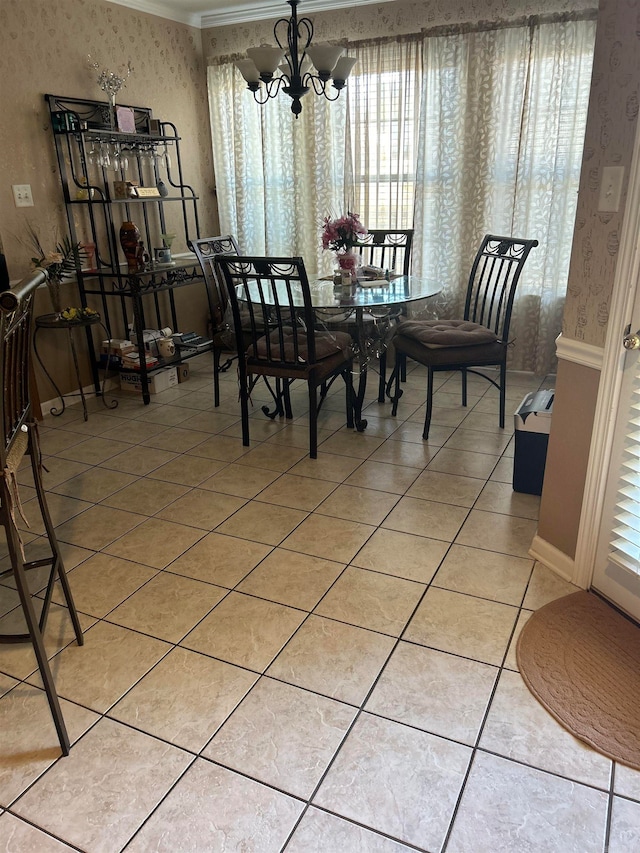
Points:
532	425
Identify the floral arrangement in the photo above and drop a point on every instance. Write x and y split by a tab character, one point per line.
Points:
72	315
341	234
61	263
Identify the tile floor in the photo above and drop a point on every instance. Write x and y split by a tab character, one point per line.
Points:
289	654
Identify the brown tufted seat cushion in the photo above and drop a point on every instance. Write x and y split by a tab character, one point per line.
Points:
446	333
327	344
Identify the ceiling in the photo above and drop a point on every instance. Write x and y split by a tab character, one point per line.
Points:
218	13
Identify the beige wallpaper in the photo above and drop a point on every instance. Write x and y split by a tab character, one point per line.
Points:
611	129
397	18
43	49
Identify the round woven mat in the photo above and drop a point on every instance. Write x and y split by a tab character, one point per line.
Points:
581	659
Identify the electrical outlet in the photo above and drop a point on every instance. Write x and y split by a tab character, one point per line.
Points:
611	189
22	195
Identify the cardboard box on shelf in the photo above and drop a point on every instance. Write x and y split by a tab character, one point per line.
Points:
183	372
159	381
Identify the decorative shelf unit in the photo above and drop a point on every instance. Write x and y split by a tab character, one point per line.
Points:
92	155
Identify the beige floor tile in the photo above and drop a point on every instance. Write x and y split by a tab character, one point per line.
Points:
291	578
18	659
395	479
102	582
98	527
625	826
167	607
53	441
95	484
506	534
29	741
409	786
318	832
187	470
185	698
355	503
93	451
371	600
111	660
99	423
337	660
6	683
282	735
176	439
443	415
446	488
212	808
58	472
224	448
511	661
351	443
273	457
512	808
627	782
519	727
262	522
297	492
403	555
102	792
485	574
245	631
294	435
240	480
61	509
545	586
463	463
412	431
486	420
260	428
331	538
157	413
327	466
426	518
155	543
405	453
139	460
500	497
223	560
202	508
135	431
145	497
209	422
438	692
463	625
15	834
478	441
503	472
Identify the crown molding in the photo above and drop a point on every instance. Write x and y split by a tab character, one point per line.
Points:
162	10
263	10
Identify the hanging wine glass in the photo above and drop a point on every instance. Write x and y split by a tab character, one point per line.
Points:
166	159
115	160
124	160
93	154
105	158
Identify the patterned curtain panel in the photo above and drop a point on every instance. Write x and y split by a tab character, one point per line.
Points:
457	135
502	124
276	177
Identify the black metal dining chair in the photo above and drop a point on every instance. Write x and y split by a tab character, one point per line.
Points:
222	336
481	337
274	295
388	251
20	438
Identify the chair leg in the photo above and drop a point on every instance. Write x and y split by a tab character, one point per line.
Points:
463	372
503	393
58	569
35	634
403	366
244	406
216	377
427	418
348	381
382	382
286	396
397	390
313	421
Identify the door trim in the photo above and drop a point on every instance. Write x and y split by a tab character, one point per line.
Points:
625	282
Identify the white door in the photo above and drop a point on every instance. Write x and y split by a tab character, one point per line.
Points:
617	565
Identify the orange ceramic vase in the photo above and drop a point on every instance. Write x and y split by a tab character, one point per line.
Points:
129	240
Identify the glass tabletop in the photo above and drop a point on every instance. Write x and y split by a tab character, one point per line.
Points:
326	294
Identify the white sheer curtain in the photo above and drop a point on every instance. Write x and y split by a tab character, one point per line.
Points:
276	177
457	135
501	136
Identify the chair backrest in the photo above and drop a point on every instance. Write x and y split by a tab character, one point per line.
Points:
492	284
16	332
389	250
205	250
272	297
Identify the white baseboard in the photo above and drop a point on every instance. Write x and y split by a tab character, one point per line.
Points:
553	558
73	398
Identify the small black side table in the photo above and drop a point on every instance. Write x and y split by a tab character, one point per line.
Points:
55	322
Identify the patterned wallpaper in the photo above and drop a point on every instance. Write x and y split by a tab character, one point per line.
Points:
44	47
611	129
397	18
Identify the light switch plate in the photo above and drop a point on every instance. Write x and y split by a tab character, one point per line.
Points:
22	195
611	189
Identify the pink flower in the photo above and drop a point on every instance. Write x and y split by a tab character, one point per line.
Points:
341	234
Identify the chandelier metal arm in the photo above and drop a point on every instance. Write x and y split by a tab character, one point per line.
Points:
320	86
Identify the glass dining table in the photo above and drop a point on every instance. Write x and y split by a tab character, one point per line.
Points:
371	307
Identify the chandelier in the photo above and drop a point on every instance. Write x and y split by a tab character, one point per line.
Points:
301	65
